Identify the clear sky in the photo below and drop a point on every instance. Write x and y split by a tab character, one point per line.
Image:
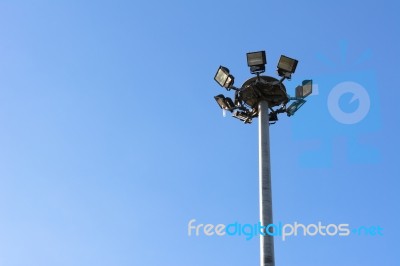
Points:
111	141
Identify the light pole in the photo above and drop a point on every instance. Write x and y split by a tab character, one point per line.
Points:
267	256
256	98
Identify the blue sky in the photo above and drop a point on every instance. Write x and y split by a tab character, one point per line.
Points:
111	141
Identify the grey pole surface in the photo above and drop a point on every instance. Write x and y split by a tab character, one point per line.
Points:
267	257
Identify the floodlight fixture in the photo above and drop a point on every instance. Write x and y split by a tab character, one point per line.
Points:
286	66
292	109
243	116
257	61
304	90
225	103
223	78
273	117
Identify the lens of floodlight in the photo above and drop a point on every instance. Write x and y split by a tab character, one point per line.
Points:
307	87
292	109
256	59
287	64
222	76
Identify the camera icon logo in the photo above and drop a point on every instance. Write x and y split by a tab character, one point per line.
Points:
359	93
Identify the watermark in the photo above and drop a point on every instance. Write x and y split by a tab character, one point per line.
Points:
344	106
284	231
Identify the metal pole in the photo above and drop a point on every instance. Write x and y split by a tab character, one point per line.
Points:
267	257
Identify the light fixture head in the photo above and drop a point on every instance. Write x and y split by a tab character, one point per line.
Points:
223	78
224	102
292	109
243	116
273	117
257	61
286	66
304	90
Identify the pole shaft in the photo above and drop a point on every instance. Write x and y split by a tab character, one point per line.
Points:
267	257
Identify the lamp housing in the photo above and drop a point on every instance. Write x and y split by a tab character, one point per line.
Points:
243	116
304	90
223	78
225	103
286	66
292	109
257	61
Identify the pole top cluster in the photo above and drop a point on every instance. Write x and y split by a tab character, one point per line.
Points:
261	88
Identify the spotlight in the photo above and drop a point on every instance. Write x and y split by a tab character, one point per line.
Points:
286	66
292	109
273	117
256	61
243	116
223	78
304	90
307	87
224	102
